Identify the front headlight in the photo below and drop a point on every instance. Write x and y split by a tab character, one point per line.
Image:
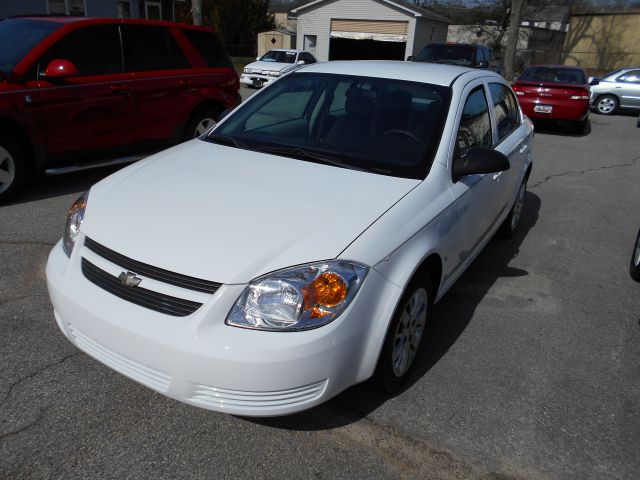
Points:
247	70
298	298
74	220
274	74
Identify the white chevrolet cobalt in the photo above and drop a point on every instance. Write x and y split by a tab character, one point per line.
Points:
297	248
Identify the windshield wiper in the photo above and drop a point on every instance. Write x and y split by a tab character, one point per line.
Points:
228	141
301	153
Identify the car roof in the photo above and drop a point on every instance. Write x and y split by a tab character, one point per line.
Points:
551	65
284	50
437	74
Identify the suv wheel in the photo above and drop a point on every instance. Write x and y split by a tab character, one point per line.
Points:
606	104
200	122
11	168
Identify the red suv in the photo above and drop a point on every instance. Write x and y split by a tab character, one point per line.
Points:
77	92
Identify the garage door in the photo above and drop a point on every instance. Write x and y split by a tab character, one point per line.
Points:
367	40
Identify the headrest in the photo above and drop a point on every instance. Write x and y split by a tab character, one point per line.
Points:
358	106
398	98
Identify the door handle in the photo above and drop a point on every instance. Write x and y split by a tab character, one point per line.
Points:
119	88
184	83
523	148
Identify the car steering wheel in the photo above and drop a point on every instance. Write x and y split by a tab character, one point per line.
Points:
417	144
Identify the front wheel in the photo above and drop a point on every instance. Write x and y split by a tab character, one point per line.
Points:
405	334
12	168
634	268
199	122
606	104
510	224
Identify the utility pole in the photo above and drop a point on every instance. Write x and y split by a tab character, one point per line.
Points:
512	38
196	11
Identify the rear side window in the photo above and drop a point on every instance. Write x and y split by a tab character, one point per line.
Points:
475	125
209	47
80	47
151	48
505	109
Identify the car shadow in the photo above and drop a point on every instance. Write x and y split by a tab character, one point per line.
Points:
560	127
451	316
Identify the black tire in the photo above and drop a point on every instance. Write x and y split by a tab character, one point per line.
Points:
404	329
510	225
634	267
195	126
12	167
580	127
607	104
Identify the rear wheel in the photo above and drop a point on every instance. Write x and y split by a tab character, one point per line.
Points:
606	104
405	334
634	269
510	225
12	169
200	121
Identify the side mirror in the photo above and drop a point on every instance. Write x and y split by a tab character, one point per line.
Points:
300	62
257	58
410	58
479	160
483	64
593	81
58	68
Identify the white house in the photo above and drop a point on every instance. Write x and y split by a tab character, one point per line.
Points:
366	29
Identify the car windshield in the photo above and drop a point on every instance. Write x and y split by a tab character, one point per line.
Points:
18	37
553	75
450	54
279	56
385	126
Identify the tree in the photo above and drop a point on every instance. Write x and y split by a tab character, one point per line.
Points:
196	11
515	14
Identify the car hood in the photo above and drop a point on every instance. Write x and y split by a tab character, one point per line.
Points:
229	215
271	66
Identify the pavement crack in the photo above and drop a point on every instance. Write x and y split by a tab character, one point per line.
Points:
30	424
582	172
34	374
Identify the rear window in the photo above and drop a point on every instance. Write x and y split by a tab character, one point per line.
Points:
449	54
18	37
151	48
553	75
209	47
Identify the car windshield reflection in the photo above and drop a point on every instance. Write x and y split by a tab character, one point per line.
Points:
386	126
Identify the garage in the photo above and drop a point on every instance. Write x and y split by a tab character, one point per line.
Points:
367	40
367	29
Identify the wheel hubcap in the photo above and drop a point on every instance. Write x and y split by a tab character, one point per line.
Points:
517	207
204	125
7	170
606	105
409	332
636	257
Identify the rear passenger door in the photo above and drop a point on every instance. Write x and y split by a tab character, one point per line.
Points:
163	90
510	137
93	109
629	89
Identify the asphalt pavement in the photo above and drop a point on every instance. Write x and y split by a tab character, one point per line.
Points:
530	370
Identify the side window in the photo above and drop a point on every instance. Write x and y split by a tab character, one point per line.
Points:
80	47
633	76
505	109
308	58
151	48
209	47
475	124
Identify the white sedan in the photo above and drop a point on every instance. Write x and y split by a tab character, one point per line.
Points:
272	65
297	248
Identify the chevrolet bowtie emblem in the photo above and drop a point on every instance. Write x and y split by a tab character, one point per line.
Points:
129	279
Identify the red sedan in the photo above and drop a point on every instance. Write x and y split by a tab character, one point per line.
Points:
555	92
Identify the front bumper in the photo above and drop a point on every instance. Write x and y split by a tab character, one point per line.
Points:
256	79
199	360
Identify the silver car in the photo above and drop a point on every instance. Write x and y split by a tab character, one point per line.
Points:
617	89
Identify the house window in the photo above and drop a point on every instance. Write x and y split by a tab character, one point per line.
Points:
66	7
433	32
124	8
153	10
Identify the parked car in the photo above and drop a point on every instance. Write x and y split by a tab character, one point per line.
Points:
272	65
617	89
78	91
462	54
303	248
554	92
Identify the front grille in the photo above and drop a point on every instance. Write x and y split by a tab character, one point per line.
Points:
150	271
159	302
